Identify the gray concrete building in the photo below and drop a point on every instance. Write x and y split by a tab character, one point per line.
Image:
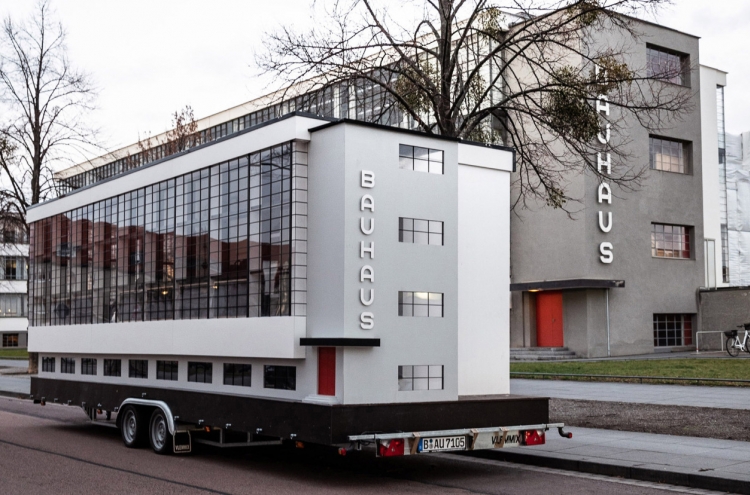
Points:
620	277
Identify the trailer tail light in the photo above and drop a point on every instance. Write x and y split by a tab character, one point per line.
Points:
391	448
533	437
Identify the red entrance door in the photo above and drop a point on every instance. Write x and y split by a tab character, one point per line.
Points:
326	371
549	319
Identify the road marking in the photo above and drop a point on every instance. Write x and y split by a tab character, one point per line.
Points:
578	474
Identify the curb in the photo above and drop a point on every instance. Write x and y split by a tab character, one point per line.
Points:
690	480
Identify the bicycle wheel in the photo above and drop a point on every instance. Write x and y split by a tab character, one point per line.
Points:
732	348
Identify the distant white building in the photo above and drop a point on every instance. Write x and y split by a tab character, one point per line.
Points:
14	262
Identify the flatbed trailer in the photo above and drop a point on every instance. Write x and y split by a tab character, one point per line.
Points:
394	429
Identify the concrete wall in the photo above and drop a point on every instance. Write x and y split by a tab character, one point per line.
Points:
722	310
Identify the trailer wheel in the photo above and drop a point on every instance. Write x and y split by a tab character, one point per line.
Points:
158	433
132	426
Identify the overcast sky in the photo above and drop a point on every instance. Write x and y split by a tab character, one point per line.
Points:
149	58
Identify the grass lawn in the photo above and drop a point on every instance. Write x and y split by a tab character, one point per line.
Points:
14	353
681	368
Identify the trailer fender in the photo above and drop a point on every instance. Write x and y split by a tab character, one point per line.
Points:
153	403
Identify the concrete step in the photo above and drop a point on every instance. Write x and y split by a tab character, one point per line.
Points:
541	354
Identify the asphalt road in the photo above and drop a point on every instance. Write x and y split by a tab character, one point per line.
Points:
54	448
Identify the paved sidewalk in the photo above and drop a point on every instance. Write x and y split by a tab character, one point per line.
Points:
15	385
687	461
678	395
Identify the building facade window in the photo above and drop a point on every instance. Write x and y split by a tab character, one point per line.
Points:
68	365
237	374
280	377
88	366
429	304
670	241
13	268
48	364
416	231
112	367
420	159
200	372
672	330
10	340
724	253
420	377
12	305
214	243
668	66
166	370
138	368
668	155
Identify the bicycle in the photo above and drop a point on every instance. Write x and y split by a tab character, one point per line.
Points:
734	346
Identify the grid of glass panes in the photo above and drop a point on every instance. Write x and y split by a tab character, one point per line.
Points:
214	243
12	305
667	66
200	372
138	368
13	267
88	366
667	155
68	365
280	377
237	374
166	370
420	159
48	364
10	340
420	377
428	304
673	330
414	230
724	253
670	241
112	367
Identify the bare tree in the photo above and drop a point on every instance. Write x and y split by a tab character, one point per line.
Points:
43	103
527	74
181	136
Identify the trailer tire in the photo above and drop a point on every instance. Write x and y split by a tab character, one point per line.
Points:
133	427
158	433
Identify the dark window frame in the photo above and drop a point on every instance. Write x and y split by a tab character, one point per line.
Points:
684	73
426	376
167	370
200	372
410	305
280	377
68	365
238	374
112	367
10	340
417	230
88	366
138	368
48	364
421	159
673	329
672	242
686	154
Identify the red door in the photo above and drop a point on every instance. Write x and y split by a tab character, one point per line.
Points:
326	371
549	319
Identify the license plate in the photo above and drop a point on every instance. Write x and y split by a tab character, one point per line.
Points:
442	444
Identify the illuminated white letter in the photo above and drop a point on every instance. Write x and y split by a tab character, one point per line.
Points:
604	163
366	273
368	301
605	193
605	248
604	138
367	203
368	179
367	320
369	250
366	231
602	105
608	227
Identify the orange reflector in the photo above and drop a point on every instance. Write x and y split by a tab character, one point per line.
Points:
342	451
391	448
207	429
299	445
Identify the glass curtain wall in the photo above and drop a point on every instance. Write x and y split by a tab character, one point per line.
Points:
215	243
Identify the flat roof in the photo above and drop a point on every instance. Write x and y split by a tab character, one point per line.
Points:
567	284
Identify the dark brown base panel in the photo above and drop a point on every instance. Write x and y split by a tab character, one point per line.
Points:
316	423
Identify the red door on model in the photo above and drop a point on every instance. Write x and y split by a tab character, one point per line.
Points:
549	319
326	371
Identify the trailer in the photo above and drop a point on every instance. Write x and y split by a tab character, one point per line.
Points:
304	279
